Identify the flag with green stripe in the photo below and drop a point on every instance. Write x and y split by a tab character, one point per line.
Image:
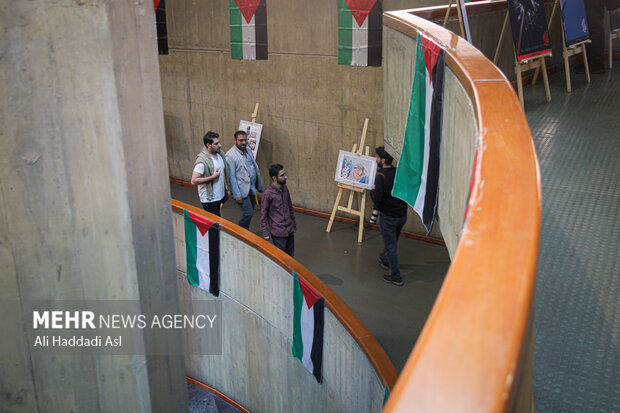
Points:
248	29
360	24
202	248
308	321
417	175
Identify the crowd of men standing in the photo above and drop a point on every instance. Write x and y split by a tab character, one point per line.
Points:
236	175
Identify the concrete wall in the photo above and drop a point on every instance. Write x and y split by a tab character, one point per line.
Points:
459	130
84	200
310	106
256	367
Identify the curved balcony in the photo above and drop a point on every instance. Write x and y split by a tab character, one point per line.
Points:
474	354
256	368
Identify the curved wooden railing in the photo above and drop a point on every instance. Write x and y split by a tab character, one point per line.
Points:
368	343
474	350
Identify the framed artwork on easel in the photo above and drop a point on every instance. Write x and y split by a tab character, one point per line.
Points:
253	131
356	170
575	22
529	28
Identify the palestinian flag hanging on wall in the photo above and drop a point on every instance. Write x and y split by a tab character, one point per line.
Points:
160	22
308	321
360	25
248	29
202	248
417	175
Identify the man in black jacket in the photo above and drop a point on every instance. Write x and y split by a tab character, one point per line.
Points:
393	215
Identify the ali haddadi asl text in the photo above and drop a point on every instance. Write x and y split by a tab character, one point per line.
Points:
78	341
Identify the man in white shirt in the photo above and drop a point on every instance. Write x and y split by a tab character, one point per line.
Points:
211	174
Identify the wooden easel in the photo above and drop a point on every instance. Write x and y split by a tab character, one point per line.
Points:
458	10
569	51
361	193
524	65
613	34
255	113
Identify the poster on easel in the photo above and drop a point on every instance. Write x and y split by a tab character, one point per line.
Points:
461	4
253	131
529	28
356	170
575	22
614	19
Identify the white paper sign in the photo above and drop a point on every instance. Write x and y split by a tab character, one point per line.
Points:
254	131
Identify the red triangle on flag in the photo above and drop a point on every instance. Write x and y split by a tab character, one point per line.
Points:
156	3
203	224
360	9
247	8
310	294
430	50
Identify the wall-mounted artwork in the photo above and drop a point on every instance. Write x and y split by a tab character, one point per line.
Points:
254	131
356	170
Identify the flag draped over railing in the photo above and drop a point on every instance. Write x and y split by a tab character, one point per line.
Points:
202	248
417	175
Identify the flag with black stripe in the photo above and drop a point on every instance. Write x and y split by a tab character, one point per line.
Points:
248	29
160	21
308	322
417	175
360	32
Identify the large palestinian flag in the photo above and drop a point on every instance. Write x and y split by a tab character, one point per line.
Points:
202	247
359	32
309	310
248	29
417	176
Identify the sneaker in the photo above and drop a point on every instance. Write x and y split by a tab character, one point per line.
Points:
384	264
389	278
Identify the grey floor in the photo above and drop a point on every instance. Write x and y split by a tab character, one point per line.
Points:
577	338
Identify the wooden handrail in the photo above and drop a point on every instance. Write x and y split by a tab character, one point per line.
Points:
468	356
217	393
368	343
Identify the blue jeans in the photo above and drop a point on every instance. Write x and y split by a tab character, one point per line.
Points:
390	231
247	210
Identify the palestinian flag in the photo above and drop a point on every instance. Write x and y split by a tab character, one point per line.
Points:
160	22
359	32
309	309
202	246
417	175
248	29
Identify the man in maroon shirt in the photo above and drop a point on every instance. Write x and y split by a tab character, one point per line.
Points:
277	219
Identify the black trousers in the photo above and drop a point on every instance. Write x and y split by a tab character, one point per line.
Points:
212	207
286	244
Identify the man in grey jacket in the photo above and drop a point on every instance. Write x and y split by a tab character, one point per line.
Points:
245	178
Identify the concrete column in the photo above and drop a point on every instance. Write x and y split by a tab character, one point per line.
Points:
84	195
